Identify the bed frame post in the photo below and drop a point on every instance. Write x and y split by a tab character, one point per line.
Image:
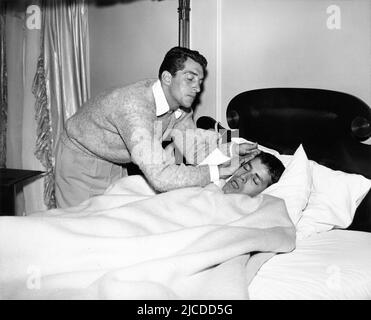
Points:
183	11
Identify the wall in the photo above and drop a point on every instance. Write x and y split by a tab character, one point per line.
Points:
128	41
280	43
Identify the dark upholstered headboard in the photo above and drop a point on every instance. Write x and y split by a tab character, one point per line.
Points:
329	124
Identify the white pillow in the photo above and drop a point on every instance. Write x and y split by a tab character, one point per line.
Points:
334	199
294	186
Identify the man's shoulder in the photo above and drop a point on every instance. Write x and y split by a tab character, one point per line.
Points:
136	88
136	94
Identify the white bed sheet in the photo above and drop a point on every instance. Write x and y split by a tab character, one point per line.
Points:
329	265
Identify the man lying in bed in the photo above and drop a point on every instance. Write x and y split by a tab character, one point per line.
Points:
255	175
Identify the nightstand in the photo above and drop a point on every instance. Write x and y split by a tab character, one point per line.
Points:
10	180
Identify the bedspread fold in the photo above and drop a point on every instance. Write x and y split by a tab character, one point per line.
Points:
131	243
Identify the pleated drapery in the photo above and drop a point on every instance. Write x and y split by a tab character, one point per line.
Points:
61	83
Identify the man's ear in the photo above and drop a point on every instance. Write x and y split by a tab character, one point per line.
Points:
166	77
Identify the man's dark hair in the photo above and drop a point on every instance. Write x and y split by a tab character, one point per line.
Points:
274	165
175	58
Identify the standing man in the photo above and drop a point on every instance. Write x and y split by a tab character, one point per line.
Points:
129	124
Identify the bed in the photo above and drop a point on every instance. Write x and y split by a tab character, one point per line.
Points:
332	258
197	243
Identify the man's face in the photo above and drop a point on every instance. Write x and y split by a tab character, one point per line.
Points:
186	83
251	179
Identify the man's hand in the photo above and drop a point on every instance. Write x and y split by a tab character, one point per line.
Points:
243	149
247	152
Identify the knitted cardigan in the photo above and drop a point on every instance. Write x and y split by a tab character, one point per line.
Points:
120	125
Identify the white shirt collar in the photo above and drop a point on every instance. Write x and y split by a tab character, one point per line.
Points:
162	106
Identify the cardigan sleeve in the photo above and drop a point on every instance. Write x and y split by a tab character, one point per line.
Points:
138	130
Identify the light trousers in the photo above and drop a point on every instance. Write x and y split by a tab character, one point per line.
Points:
79	175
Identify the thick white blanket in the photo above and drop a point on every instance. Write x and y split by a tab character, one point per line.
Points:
130	243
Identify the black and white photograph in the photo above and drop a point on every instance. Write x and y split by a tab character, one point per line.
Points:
199	151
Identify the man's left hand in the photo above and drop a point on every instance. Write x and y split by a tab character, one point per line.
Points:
245	149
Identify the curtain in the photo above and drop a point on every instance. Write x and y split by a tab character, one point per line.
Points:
48	78
3	88
22	50
61	84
